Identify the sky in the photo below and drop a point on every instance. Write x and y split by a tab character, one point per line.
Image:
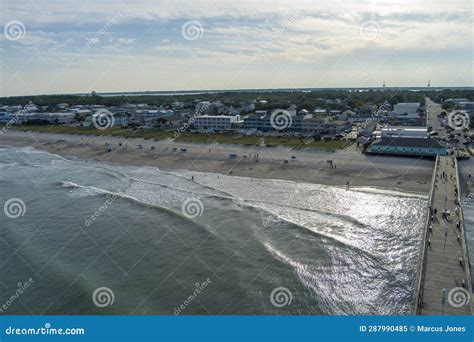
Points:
65	46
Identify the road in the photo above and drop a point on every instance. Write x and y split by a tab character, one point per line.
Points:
433	110
452	138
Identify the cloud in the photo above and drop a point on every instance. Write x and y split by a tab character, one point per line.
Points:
70	36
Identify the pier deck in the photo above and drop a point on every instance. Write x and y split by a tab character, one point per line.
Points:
445	263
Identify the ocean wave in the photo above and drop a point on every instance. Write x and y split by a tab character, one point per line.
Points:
342	220
392	192
324	217
166	210
179	175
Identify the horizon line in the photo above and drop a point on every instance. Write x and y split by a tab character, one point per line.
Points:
205	91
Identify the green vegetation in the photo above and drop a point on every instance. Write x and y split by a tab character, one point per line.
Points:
293	142
350	98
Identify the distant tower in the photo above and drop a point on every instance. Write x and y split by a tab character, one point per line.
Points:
93	93
384	83
429	84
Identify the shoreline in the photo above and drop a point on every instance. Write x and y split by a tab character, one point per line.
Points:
305	165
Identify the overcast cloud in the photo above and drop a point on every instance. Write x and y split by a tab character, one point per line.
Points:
104	45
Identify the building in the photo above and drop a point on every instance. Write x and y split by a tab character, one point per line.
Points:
308	124
258	122
406	110
457	101
62	106
320	112
168	122
80	112
407	146
336	127
404	132
217	122
233	111
312	125
203	108
176	105
5	117
120	119
58	118
149	117
467	106
55	118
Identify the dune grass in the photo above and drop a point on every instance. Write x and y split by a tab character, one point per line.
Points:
236	139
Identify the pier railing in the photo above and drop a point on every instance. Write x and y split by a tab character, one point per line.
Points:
418	296
465	252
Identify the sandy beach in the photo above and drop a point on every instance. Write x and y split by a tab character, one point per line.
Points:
306	165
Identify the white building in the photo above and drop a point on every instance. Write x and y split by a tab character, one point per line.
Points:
149	117
457	101
404	132
217	122
58	118
406	110
467	105
177	105
320	112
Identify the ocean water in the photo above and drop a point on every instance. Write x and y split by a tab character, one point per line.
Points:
96	238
